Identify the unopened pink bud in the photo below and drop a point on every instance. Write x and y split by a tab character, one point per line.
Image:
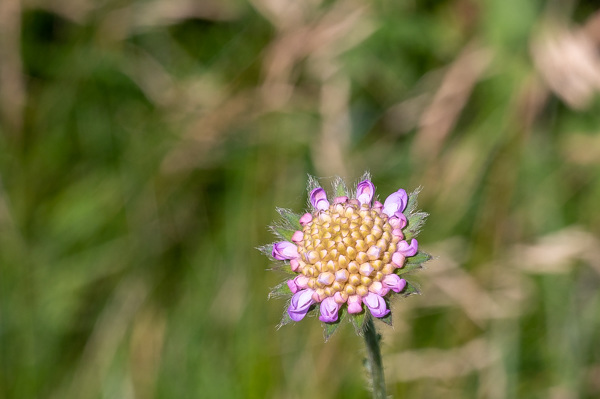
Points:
305	219
339	297
340	200
301	281
354	304
395	232
379	289
294	264
297	236
398	259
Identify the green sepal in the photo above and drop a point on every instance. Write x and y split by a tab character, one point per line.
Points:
414	263
358	321
418	258
339	187
284	233
411	205
280	266
365	176
285	319
286	228
388	318
415	222
409	290
292	219
312	310
330	328
280	290
407	268
267	250
312	184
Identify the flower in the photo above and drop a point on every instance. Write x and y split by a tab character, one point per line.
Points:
348	255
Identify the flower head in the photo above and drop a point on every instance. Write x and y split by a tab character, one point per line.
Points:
348	255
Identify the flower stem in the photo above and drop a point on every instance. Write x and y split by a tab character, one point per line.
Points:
374	364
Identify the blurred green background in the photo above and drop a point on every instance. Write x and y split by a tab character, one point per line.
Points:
144	146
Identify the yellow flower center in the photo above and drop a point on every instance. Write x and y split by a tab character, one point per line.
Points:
345	249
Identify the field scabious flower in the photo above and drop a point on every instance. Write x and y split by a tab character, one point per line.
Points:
348	254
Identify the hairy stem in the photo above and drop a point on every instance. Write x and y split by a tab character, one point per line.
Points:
374	364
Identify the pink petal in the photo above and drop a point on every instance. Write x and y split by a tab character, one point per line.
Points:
395	202
301	302
354	304
329	310
285	250
398	221
394	282
364	192
408	249
292	286
318	199
301	281
376	304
